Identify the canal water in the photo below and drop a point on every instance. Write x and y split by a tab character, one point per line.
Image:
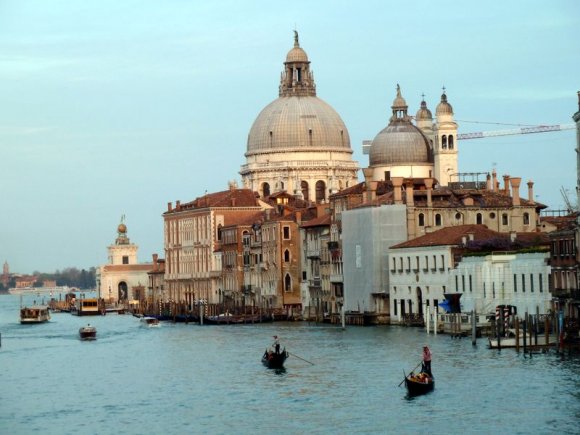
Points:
187	378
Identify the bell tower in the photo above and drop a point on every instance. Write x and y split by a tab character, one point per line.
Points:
445	145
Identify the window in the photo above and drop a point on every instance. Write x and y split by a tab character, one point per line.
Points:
463	283
470	284
437	220
532	282
394	264
320	191
421	220
388	177
450	141
515	283
266	189
442	262
286	233
526	218
303	275
523	283
426	262
287	283
492	215
457	216
456	283
541	283
479	219
125	259
444	142
395	307
434	262
286	256
304	188
504	219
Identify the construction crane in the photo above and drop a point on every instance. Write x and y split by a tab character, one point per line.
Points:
522	130
569	206
366	147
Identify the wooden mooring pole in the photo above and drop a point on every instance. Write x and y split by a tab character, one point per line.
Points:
473	328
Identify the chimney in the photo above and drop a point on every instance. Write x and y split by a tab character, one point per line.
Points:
373	187
397	183
368	174
169	206
409	191
515	183
268	211
429	186
233	202
531	191
494	180
488	185
155	263
299	217
506	184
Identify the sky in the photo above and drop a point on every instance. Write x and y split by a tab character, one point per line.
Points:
118	107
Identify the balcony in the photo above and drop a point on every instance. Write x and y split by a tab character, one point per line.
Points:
313	253
336	277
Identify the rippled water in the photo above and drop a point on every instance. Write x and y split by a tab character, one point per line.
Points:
199	379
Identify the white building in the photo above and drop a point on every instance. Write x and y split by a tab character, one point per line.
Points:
425	269
503	278
122	278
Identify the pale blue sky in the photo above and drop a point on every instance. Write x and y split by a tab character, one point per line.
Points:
112	107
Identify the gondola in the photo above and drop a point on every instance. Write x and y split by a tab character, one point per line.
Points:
420	383
274	360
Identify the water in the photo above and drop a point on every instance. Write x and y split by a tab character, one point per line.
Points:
199	379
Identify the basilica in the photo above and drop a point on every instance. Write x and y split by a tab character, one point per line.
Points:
303	237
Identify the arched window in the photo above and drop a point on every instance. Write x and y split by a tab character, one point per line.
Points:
437	220
304	188
265	190
320	191
219	232
281	185
421	220
479	219
286	256
504	219
526	218
287	283
444	142
450	141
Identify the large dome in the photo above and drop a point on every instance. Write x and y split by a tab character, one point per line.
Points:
297	123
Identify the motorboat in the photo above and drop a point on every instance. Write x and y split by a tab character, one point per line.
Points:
150	322
88	332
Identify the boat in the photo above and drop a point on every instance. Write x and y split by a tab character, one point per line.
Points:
34	314
232	319
88	332
419	383
510	340
150	322
87	307
274	360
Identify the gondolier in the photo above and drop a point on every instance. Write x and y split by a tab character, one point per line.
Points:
427	356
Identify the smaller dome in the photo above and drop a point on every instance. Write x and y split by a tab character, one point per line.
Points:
444	108
297	54
424	114
122	228
399	102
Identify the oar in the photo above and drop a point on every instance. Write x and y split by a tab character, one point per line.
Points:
409	373
296	356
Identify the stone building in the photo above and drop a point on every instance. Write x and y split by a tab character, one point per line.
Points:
193	268
298	143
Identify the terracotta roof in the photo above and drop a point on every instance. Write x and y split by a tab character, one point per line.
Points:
226	198
450	236
321	221
145	267
561	222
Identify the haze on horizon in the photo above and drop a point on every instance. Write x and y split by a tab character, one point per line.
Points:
117	108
